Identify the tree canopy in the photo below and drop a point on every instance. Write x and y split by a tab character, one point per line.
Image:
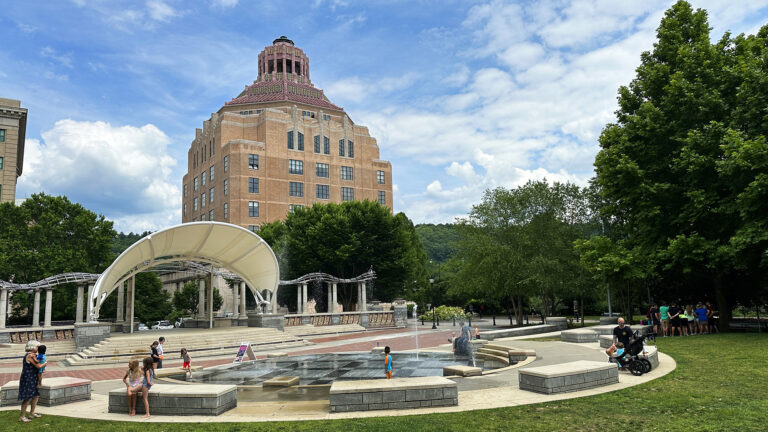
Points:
683	172
346	240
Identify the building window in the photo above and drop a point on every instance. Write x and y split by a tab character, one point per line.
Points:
194	219
317	143
253	185
226	186
326	145
382	198
253	209
326	117
202	217
210	149
309	114
202	154
253	161
185	209
296	189
2	135
380	177
347	173
293	207
185	186
322	191
253	228
194	204
210	215
300	147
295	166
341	147
347	194
290	140
210	194
226	211
322	170
195	183
210	173
226	163
351	149
202	178
202	200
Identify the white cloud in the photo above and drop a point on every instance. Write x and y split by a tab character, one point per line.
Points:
160	11
223	4
356	89
123	172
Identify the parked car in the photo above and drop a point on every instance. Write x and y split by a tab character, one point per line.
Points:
162	325
143	327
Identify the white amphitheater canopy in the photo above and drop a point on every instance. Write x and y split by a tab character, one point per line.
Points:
221	244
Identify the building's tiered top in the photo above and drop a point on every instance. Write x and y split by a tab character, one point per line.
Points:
283	76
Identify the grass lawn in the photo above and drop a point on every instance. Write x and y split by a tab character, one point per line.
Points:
719	385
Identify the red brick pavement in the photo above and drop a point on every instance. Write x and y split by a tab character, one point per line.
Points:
426	339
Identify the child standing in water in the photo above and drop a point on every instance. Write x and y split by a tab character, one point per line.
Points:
187	361
41	358
387	363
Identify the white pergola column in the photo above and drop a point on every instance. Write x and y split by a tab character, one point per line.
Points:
334	301
330	298
243	298
120	303
48	306
89	309
298	299
36	309
131	303
235	301
304	298
364	300
201	299
359	297
210	301
3	303
273	300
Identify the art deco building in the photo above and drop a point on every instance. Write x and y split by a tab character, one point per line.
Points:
13	128
280	144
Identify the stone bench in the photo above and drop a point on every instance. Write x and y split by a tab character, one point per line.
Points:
652	355
193	399
518	331
516	355
605	341
462	371
172	371
560	322
607	330
578	336
568	377
397	393
54	391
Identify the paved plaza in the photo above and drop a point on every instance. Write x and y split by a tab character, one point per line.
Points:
491	390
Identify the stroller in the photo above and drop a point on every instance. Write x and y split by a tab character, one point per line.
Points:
630	359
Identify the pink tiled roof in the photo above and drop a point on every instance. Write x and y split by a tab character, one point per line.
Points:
252	95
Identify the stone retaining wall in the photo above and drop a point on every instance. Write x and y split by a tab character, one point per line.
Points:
89	334
579	336
193	399
568	377
560	322
517	331
398	393
54	391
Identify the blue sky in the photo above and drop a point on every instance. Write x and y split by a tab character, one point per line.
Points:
462	96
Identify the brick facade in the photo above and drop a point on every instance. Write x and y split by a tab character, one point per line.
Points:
13	127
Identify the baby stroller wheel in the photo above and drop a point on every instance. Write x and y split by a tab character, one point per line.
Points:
646	365
636	368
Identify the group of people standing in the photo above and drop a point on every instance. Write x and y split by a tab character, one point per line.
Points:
674	318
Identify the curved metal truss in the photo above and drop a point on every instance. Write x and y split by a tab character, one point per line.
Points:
195	269
325	277
50	282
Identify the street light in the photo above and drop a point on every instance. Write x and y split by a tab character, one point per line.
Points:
432	294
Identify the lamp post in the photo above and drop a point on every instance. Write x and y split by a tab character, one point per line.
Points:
432	294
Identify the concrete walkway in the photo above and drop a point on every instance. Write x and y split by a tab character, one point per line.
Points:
493	390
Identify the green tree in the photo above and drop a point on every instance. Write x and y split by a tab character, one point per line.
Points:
346	240
683	168
152	301
518	244
186	301
49	235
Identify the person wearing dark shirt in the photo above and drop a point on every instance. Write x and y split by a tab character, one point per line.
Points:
622	333
674	320
655	316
